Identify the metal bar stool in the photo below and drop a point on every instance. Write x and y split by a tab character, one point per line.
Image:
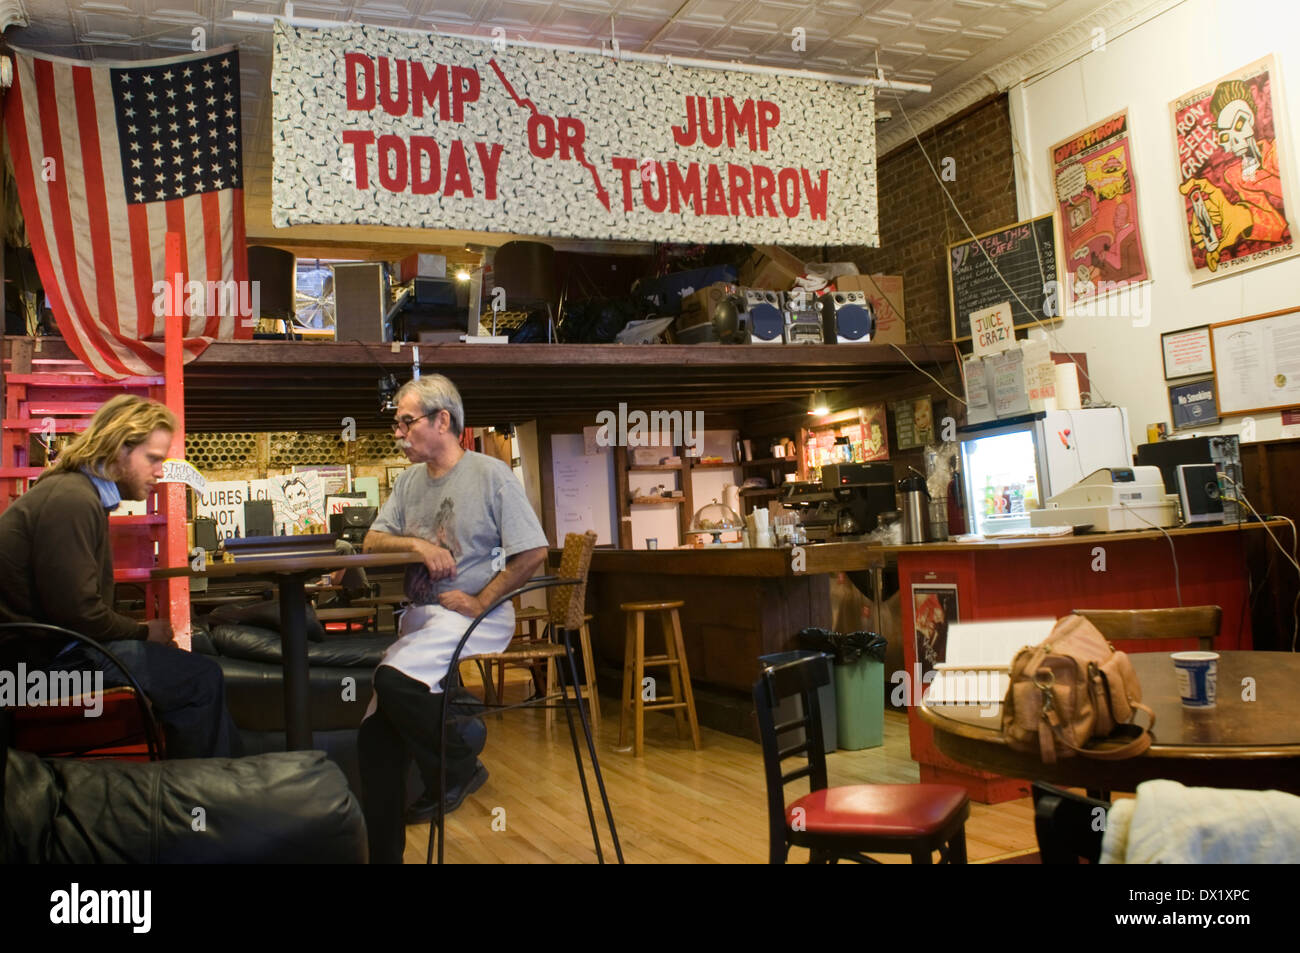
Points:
566	675
635	703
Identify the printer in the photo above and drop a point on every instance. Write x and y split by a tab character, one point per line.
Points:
1111	499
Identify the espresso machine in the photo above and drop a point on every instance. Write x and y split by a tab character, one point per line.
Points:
846	503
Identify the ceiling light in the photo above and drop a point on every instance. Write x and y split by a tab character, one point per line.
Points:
883	116
462	275
818	405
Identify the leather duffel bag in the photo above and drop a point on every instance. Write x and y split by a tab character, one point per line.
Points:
1073	688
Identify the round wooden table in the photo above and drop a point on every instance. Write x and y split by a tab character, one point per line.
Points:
1250	739
291	573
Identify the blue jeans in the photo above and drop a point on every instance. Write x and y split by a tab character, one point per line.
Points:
187	691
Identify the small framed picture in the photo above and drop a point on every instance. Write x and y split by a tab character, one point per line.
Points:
1187	352
1192	403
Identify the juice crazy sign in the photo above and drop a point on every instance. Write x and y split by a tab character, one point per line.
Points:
381	127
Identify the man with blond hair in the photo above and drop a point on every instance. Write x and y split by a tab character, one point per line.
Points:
56	567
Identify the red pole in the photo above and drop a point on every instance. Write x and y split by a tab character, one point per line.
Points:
173	546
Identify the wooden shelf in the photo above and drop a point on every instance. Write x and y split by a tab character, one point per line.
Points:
715	466
756	491
651	500
657	467
769	462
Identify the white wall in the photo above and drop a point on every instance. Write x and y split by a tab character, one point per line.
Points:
1143	71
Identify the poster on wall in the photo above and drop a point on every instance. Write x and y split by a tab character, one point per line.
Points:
934	608
1234	172
385	127
223	502
1099	239
298	499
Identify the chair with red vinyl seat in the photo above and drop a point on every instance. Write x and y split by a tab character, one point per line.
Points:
124	727
852	820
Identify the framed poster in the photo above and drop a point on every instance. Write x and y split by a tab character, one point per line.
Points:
1257	362
1187	352
914	422
1234	169
1099	240
934	607
1192	403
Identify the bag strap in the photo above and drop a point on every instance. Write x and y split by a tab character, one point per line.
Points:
1137	746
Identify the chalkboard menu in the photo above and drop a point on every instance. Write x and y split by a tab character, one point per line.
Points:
1025	255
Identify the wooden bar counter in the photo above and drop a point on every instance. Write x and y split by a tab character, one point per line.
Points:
739	604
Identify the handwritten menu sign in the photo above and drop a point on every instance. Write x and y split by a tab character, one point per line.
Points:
980	269
1007	375
991	329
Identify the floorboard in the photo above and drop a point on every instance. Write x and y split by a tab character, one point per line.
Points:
675	805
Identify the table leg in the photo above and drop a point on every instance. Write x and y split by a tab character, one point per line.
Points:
293	654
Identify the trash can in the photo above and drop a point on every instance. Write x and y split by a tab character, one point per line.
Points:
859	684
860	703
792	708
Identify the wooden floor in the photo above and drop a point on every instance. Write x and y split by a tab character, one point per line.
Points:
675	805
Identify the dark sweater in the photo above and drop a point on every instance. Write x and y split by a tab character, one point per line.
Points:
56	562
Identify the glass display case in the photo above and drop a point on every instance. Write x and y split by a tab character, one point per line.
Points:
1012	466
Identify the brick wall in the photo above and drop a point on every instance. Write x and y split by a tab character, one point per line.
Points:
917	221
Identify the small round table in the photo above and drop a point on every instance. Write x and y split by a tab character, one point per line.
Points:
291	574
1250	739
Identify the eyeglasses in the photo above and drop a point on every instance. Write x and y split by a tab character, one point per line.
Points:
404	424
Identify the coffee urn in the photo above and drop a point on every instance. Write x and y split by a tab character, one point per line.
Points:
915	500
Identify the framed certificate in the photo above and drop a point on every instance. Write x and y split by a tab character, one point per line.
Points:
1187	352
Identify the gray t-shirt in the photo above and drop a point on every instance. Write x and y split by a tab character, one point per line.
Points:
478	511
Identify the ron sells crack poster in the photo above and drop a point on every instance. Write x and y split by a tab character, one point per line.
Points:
386	127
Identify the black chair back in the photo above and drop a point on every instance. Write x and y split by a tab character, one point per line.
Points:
1069	826
800	678
37	644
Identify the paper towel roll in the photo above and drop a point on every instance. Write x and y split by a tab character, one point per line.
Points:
1067	387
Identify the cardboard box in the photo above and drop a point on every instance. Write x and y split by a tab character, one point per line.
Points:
698	308
421	265
885	292
771	268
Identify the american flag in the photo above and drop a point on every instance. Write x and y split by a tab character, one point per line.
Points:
109	158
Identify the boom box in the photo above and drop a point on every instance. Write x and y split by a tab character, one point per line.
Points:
848	317
766	320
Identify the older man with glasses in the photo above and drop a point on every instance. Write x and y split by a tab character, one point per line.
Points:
467	516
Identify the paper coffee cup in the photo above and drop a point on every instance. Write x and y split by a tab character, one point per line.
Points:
1198	675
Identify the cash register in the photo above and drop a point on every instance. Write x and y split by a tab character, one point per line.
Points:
1110	500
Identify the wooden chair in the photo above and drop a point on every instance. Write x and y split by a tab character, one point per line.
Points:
1184	622
565	610
1187	622
848	821
125	729
1069	827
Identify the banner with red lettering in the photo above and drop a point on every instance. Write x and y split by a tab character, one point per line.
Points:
381	127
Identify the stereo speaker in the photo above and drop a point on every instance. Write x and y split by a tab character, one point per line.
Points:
359	302
1198	491
766	319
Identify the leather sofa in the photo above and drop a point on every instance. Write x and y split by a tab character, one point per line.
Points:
290	807
250	659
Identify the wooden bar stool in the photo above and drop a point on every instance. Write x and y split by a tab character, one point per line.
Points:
635	661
